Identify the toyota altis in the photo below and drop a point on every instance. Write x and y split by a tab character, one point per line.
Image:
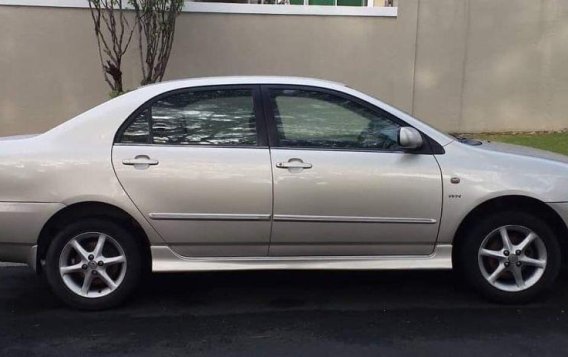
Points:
245	173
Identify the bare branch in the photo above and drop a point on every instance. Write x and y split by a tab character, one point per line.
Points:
156	27
111	25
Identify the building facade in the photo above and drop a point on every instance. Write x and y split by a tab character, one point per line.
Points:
460	65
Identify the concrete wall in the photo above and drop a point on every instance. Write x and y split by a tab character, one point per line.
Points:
462	65
485	65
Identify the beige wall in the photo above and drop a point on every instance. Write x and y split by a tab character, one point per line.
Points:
462	65
487	65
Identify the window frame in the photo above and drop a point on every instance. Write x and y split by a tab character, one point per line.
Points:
430	146
232	8
258	108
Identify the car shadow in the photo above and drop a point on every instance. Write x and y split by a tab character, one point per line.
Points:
272	313
261	291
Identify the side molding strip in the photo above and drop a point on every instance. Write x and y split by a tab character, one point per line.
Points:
286	218
166	260
350	219
210	217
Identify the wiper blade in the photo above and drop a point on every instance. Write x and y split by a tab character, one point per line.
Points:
467	141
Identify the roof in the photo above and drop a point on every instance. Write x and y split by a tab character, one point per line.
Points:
223	80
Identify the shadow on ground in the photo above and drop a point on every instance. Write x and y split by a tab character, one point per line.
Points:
283	314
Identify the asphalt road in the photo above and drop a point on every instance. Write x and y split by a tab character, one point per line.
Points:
283	314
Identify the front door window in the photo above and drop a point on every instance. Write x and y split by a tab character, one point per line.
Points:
314	119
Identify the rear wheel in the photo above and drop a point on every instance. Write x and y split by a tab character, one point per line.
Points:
93	264
510	257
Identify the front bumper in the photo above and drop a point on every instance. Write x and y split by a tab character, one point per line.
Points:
562	209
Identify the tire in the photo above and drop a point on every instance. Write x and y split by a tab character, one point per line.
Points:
477	265
110	282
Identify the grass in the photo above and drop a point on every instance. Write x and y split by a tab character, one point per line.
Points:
553	141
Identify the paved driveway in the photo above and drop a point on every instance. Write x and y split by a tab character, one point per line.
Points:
283	314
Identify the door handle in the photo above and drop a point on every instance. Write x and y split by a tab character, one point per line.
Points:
141	161
294	164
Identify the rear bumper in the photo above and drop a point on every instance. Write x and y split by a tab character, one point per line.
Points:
20	226
19	253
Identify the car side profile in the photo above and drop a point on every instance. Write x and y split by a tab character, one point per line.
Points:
245	173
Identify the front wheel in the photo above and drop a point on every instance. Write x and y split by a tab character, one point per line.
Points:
510	257
93	264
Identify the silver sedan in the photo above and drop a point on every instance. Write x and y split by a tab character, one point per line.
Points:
240	173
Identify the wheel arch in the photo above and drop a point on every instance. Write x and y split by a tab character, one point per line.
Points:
90	209
514	202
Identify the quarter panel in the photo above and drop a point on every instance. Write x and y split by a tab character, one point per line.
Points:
484	175
21	223
562	209
64	170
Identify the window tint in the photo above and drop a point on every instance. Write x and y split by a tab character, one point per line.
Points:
138	131
307	118
200	117
215	117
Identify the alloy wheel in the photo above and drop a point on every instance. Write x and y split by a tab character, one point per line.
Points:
512	258
92	264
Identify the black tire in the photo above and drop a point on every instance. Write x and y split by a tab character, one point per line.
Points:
134	267
467	256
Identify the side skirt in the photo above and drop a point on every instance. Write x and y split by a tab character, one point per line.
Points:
165	260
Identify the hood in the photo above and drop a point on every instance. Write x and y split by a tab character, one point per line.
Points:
18	137
522	151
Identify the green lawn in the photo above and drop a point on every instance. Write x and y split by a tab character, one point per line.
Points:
557	142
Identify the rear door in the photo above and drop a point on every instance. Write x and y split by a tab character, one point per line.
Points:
342	185
196	164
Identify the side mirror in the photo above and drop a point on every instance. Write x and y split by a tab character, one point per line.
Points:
409	138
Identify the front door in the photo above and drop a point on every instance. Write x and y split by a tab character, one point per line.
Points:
196	164
342	185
